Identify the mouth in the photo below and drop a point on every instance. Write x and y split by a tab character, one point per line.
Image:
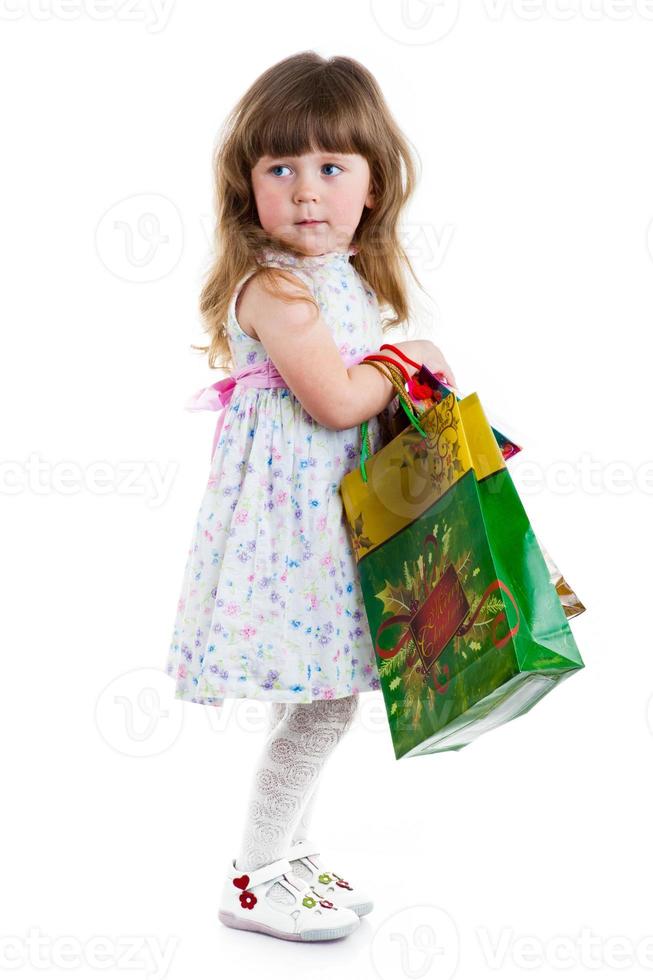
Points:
309	222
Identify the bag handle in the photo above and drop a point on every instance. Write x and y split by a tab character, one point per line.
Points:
384	359
400	353
409	360
417	391
395	374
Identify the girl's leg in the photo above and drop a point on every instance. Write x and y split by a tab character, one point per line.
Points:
276	711
302	827
301	830
293	756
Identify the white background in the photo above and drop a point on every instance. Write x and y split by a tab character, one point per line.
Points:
531	234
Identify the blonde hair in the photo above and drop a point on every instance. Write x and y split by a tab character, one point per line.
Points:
301	104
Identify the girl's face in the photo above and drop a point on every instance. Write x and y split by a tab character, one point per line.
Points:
329	188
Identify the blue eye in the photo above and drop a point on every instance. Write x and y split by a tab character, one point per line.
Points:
282	166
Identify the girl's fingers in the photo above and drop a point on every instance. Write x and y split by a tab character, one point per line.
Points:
448	377
451	376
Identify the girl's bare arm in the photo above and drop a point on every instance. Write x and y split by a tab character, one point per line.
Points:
301	346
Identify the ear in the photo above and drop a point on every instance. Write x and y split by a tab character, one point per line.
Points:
370	200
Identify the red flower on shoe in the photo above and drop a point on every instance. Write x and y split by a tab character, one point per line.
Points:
247	900
326	904
343	884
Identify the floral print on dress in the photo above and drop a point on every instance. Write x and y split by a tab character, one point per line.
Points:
270	605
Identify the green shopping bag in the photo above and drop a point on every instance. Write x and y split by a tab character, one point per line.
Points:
428	389
468	629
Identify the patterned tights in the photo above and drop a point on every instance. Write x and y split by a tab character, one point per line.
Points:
300	739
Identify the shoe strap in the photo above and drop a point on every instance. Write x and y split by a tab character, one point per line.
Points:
299	884
266	873
302	849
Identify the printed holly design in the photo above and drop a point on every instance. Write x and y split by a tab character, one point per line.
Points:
359	538
247	899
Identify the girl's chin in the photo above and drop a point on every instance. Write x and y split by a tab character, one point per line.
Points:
313	239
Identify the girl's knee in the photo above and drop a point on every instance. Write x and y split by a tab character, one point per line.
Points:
340	711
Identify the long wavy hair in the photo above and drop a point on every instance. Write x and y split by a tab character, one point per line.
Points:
306	103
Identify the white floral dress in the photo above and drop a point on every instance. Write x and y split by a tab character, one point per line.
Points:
270	605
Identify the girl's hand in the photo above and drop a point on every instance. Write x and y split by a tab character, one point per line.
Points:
434	360
431	357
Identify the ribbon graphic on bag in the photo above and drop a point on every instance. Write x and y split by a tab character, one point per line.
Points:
440	616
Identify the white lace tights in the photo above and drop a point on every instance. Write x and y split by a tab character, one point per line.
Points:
300	739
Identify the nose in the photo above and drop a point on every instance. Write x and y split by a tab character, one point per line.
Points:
305	192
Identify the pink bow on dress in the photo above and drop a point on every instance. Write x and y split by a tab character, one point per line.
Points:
262	374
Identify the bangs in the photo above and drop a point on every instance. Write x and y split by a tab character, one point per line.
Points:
307	122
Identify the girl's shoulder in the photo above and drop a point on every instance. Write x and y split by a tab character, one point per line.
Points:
328	276
241	297
274	258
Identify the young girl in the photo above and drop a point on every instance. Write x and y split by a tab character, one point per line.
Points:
309	191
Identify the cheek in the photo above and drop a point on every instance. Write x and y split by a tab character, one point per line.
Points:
347	203
267	201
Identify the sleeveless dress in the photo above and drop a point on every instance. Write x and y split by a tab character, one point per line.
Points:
270	606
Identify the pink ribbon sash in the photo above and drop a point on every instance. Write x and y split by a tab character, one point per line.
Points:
262	374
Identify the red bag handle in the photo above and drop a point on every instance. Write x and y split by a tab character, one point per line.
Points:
400	353
447	383
389	360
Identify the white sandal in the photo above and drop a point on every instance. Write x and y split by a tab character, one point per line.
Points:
325	881
308	917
